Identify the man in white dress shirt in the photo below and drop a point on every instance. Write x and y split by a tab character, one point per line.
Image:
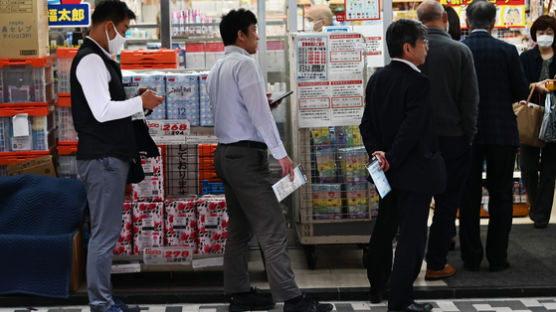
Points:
102	119
245	129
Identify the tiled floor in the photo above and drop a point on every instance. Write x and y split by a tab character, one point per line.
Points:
463	305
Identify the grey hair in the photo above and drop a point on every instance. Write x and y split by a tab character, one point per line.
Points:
481	14
430	10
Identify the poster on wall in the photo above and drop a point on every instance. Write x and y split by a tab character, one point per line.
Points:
509	13
361	10
329	79
374	40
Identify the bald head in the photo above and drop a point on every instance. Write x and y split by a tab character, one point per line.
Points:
430	11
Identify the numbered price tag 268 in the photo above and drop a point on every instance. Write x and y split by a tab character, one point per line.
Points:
169	131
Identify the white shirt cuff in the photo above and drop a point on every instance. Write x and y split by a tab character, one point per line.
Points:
279	152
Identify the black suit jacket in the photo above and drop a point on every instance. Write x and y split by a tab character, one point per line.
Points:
398	120
501	83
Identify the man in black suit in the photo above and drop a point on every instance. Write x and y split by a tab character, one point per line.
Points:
398	128
501	83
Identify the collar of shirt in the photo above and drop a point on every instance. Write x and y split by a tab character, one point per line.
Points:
103	50
235	49
408	63
480	29
437	31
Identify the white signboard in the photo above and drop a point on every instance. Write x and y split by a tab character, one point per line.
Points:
374	38
330	79
168	132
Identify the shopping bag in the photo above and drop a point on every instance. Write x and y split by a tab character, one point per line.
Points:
547	132
529	118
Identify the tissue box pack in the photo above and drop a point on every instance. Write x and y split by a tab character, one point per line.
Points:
212	224
327	201
148	226
155	82
206	113
124	245
182	101
180	218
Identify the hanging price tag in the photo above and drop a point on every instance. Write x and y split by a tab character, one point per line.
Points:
169	132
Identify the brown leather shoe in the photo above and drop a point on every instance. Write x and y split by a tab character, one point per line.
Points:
448	271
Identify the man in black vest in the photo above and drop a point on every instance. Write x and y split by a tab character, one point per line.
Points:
102	119
398	128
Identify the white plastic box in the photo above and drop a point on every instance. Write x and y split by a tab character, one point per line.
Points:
27	80
41	136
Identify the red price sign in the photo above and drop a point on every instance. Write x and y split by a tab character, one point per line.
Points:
169	254
169	132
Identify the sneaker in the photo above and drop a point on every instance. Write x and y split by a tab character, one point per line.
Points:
114	308
306	304
124	307
251	301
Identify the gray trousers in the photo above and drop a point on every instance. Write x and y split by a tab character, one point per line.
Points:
253	209
105	181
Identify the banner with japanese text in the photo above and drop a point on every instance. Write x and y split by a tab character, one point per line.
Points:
69	15
509	13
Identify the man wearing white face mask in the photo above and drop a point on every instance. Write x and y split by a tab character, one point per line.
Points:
538	65
455	95
318	15
102	119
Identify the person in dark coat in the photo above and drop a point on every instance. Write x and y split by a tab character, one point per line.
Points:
398	128
539	66
501	83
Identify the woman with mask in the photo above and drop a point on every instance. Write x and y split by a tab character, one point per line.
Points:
539	66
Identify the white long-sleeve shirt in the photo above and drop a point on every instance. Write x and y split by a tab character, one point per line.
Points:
237	95
92	74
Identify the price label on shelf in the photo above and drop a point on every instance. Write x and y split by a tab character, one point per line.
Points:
168	255
169	132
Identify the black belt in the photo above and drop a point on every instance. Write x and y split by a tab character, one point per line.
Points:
250	144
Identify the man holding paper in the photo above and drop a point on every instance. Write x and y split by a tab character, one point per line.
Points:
245	129
398	128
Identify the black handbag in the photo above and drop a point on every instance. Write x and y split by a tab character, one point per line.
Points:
145	146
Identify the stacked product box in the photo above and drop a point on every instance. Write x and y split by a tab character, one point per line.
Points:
124	246
39	135
206	113
156	82
182	101
327	201
348	136
152	187
148	226
180	219
323	141
212	224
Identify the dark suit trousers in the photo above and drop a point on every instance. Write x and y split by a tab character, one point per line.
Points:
456	152
410	212
540	189
500	166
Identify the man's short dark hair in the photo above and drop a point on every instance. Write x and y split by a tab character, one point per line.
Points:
111	10
542	23
401	32
235	21
481	14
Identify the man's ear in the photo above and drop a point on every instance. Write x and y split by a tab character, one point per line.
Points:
240	35
445	17
406	50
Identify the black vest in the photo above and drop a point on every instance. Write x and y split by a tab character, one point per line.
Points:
113	138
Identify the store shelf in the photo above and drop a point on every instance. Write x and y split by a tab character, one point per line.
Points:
134	264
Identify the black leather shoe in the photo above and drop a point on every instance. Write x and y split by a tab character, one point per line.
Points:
541	225
251	301
376	296
499	267
305	303
471	266
415	307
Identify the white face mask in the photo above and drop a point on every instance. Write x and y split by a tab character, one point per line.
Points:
316	26
114	45
545	41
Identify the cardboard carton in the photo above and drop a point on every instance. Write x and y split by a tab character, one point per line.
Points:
41	165
24	28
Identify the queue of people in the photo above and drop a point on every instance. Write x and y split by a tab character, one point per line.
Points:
464	92
433	115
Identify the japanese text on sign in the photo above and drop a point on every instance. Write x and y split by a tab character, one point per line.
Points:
63	15
169	131
16	30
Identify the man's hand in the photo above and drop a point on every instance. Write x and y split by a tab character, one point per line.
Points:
287	167
270	101
141	91
151	100
384	165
